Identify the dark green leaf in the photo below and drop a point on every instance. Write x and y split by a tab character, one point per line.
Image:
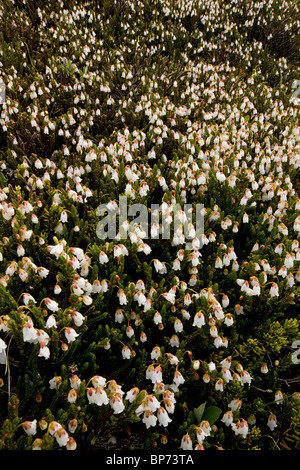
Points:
198	412
211	414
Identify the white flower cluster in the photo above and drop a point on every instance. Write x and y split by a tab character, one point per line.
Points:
187	107
55	429
103	392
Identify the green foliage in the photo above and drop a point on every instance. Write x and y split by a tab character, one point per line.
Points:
210	413
139	338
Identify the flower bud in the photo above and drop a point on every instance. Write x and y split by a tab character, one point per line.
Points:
37	444
84	427
43	424
264	369
206	378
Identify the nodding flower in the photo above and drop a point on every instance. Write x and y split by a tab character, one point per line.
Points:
149	419
274	290
272	421
169	296
51	304
126	352
30	427
186	442
163	417
61	436
199	319
240	428
122	297
70	334
116	403
103	258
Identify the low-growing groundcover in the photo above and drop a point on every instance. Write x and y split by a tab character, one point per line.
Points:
147	340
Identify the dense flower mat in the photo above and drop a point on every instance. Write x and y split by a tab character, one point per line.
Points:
138	340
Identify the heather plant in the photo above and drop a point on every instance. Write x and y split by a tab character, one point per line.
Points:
166	338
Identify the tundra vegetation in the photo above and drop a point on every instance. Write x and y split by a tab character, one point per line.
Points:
185	341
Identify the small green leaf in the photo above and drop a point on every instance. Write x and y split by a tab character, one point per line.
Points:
211	414
198	412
